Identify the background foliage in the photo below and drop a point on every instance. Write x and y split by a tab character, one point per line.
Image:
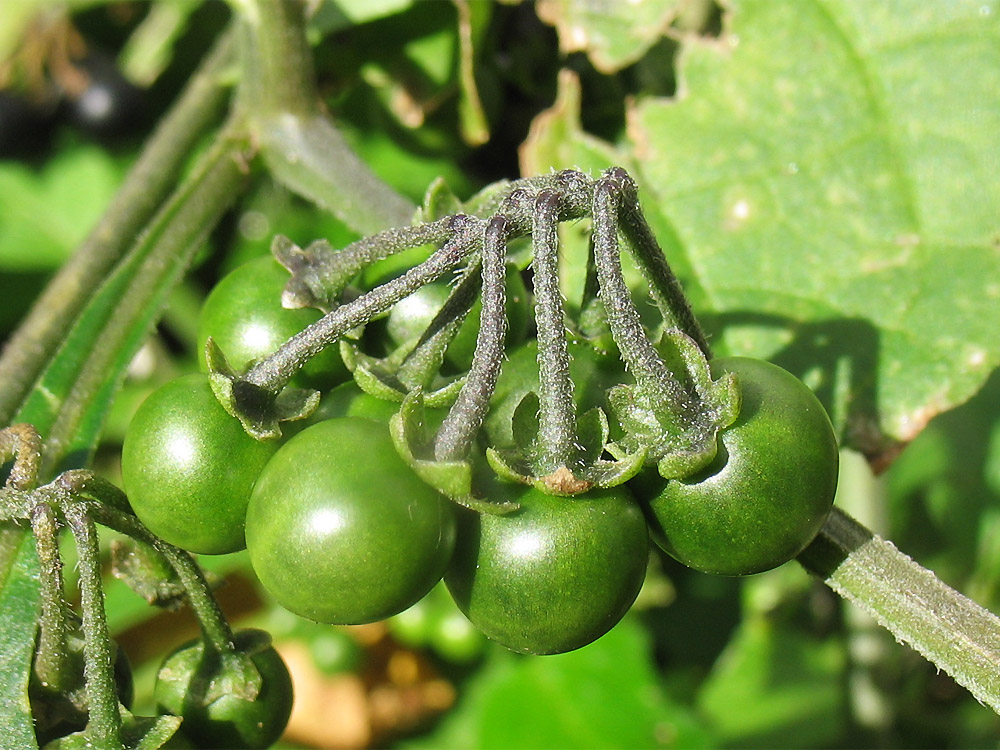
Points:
819	173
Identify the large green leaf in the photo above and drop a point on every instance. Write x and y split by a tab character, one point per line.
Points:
605	695
828	175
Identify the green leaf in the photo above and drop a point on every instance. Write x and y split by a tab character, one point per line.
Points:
45	213
613	34
605	695
20	605
774	686
829	175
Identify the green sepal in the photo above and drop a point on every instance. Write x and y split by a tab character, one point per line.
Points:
259	411
678	448
439	201
147	573
236	673
306	288
453	479
522	461
138	733
380	377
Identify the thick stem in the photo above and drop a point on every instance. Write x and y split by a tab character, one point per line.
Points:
651	373
277	67
455	436
557	412
28	350
300	143
104	726
272	373
951	631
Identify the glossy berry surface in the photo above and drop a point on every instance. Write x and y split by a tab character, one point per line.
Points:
228	721
339	528
188	467
769	489
553	575
243	314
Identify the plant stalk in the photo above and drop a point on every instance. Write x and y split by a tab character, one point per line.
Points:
105	724
945	627
557	412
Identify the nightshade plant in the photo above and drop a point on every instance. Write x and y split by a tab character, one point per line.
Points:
730	462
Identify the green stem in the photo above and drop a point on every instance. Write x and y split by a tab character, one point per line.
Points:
29	349
300	144
50	664
664	287
105	721
951	631
667	393
214	626
278	74
110	508
422	363
455	436
272	373
557	412
163	252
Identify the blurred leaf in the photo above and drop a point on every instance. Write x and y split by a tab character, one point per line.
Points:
605	695
944	497
557	140
829	175
612	33
335	15
775	687
45	213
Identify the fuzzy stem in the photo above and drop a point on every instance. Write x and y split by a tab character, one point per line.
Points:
50	655
105	724
272	373
28	350
108	506
424	360
951	631
23	443
651	373
557	412
664	286
455	436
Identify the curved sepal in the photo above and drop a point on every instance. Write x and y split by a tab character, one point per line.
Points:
307	288
454	479
523	462
382	378
678	447
259	411
439	201
138	733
